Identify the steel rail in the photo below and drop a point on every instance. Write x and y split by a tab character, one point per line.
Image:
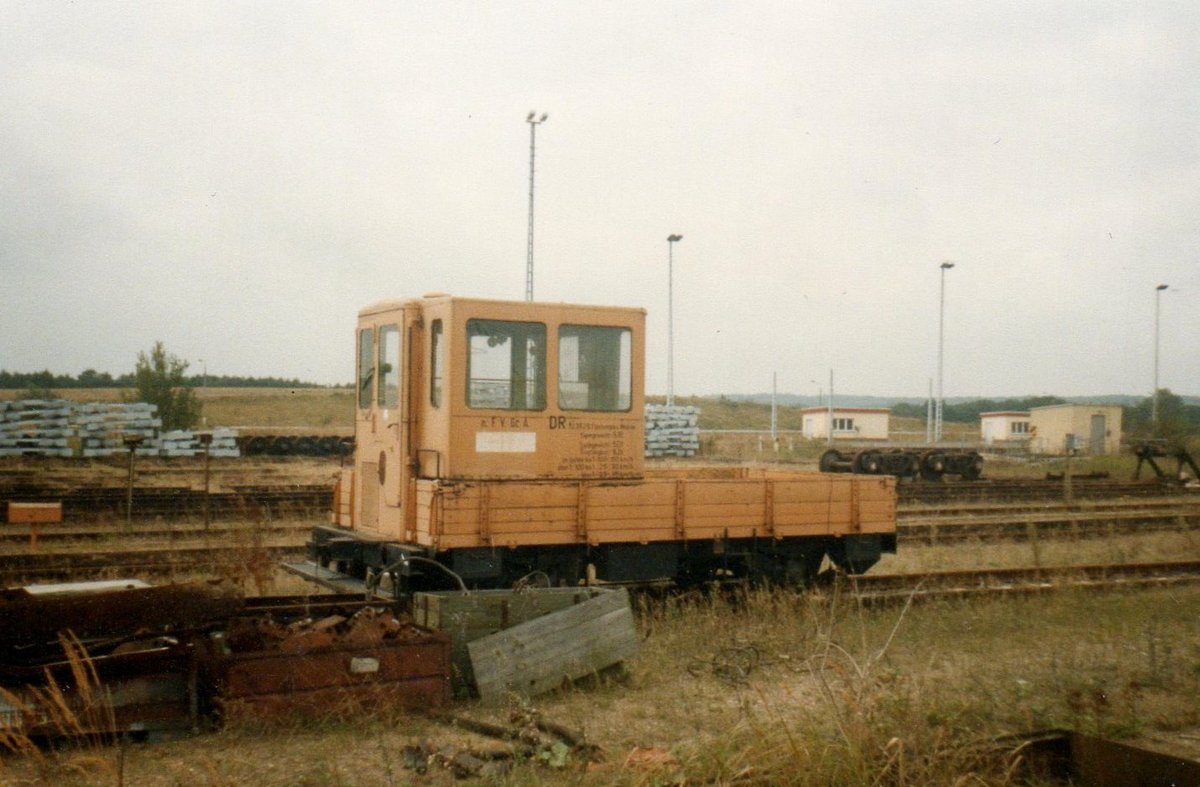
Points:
1026	527
143	563
1009	507
16	536
900	588
1026	489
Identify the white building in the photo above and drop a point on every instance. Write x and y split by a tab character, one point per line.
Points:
1004	426
1086	428
849	423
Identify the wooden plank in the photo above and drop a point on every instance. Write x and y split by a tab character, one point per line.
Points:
497	516
542	537
536	532
716	492
630	513
732	511
532	495
467	617
648	493
604	524
540	655
626	535
693	523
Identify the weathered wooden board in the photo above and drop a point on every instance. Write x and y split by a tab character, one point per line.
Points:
541	654
470	616
783	505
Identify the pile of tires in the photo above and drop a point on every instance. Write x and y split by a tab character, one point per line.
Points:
295	445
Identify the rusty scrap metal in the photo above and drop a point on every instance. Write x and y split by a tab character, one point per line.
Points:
33	619
1062	756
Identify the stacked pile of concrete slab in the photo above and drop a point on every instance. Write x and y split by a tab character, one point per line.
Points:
57	427
102	427
184	442
672	430
35	427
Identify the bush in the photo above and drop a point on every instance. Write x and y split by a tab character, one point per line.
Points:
158	378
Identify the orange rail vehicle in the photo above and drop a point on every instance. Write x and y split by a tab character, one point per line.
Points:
499	439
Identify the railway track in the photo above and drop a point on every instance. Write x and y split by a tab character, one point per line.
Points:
245	501
17	538
990	522
147	562
899	588
1028	489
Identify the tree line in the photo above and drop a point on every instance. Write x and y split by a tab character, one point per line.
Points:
969	412
90	378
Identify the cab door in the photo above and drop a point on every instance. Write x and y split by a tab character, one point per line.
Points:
379	425
389	402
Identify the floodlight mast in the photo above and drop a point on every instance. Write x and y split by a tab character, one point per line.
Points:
534	121
1158	291
937	415
671	241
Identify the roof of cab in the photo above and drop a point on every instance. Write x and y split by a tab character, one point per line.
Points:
400	303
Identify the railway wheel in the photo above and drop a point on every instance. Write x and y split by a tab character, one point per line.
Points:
933	465
867	462
830	461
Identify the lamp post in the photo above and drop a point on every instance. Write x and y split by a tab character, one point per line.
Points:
671	241
132	441
1154	396
206	439
203	389
533	122
820	392
937	415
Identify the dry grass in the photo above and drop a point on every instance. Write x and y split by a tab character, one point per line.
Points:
75	707
316	409
838	695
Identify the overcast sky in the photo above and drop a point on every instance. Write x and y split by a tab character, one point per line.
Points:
238	179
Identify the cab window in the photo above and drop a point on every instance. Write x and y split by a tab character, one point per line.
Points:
595	368
506	365
389	366
437	360
366	367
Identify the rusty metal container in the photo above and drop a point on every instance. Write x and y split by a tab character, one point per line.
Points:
333	665
142	687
